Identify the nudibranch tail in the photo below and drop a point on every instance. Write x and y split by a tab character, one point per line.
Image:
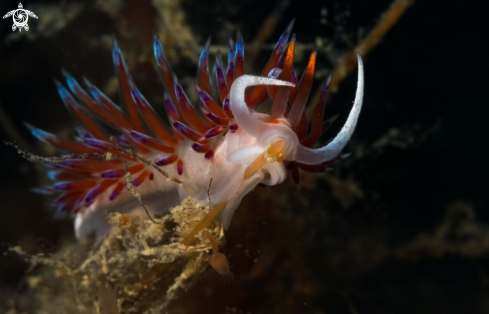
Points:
222	138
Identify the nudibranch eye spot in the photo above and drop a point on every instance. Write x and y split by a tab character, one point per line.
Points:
222	137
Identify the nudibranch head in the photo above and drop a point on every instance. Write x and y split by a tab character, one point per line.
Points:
223	138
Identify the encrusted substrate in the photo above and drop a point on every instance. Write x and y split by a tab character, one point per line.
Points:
138	268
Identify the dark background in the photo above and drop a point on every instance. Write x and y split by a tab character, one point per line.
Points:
427	80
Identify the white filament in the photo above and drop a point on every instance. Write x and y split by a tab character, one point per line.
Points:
241	112
310	156
248	120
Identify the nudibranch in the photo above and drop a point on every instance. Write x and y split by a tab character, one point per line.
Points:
223	138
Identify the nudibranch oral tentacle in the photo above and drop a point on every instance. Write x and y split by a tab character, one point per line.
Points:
317	156
223	138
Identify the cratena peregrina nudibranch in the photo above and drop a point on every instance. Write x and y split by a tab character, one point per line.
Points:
224	139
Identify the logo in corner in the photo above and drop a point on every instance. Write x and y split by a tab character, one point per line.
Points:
20	17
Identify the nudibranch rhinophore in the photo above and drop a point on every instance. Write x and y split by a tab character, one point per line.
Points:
225	140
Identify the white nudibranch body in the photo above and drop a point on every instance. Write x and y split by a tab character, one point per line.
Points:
228	141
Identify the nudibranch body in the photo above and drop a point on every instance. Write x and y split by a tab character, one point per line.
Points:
225	140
